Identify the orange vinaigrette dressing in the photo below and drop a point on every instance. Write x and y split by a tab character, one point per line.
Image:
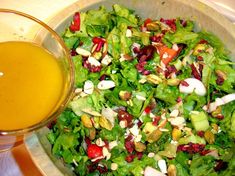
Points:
31	83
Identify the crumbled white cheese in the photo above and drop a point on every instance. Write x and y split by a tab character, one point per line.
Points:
141	98
134	130
122	58
112	144
100	142
128	33
165	55
151	155
123	123
151	115
138	138
106	153
174	113
106	60
175	47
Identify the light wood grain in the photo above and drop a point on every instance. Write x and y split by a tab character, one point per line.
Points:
17	162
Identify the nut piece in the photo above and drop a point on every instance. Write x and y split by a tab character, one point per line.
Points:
92	133
106	84
176	134
153	26
209	136
198	49
86	121
173	82
221	74
105	123
215	128
154	79
124	95
114	166
83	52
139	146
154	136
171	171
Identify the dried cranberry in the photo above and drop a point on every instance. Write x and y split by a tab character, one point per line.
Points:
123	115
146	51
156	120
90	67
88	141
183	23
170	23
147	110
195	72
191	148
200	69
73	52
102	169
220	116
146	21
75	26
184	83
203	41
130	158
129	145
221	165
50	125
103	77
204	152
92	167
155	38
146	72
170	69
140	66
200	58
220	80
139	124
136	50
179	99
139	155
99	46
200	133
97	40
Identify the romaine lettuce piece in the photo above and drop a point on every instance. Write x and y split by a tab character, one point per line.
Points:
81	73
199	120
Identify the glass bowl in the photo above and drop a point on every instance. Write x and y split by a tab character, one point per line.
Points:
18	26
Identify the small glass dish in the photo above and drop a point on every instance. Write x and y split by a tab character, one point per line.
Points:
18	26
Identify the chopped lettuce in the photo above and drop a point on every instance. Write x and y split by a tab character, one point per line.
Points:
116	38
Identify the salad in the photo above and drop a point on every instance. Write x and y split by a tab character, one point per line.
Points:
153	97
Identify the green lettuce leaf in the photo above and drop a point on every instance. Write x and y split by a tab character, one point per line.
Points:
81	73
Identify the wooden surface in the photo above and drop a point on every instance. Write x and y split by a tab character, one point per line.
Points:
17	162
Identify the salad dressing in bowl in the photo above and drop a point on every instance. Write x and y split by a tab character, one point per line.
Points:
31	84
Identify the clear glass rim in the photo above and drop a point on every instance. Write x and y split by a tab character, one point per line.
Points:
70	88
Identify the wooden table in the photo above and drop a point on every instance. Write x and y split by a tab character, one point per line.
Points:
17	162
